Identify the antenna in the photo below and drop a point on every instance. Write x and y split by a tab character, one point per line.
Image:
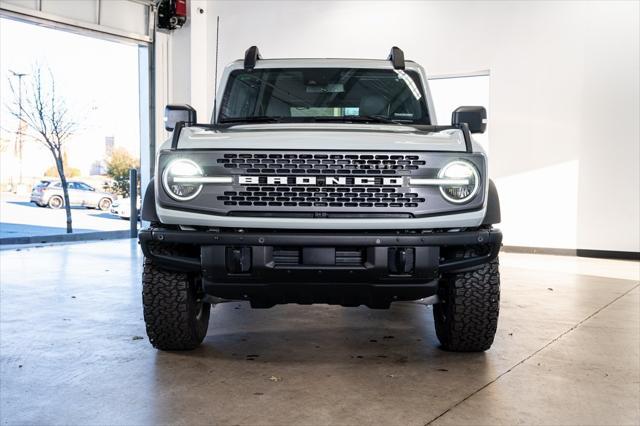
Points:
215	78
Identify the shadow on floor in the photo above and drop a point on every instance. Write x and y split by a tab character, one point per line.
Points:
21	229
30	204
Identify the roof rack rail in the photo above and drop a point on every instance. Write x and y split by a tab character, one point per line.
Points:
251	56
396	56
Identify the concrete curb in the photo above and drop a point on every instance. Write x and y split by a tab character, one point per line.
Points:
81	236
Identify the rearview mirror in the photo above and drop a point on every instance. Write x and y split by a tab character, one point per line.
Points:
474	116
175	113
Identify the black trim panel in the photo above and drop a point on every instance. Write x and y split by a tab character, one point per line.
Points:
493	215
149	212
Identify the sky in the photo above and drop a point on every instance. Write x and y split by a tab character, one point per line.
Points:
98	79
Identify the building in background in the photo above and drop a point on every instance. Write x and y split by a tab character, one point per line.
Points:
99	167
109	143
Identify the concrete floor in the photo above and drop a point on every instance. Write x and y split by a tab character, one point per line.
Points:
74	351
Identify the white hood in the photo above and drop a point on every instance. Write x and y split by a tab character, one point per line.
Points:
322	136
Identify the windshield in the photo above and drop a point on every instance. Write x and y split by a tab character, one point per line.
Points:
324	94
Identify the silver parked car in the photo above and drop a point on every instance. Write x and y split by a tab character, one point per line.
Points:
80	194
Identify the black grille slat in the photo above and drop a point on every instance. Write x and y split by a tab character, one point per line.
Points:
383	163
345	257
284	257
292	256
320	196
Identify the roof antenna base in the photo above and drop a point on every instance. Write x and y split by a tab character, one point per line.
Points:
251	56
396	56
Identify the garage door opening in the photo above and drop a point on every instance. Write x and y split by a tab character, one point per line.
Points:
97	87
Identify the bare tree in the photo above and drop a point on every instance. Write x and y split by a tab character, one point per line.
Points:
47	120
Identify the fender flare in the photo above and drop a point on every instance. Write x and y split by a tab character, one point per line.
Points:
493	206
148	212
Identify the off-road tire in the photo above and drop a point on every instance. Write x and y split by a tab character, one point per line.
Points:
467	318
56	202
175	319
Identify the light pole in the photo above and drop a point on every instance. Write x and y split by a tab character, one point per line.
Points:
18	147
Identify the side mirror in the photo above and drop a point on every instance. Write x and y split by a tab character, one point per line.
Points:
175	113
474	116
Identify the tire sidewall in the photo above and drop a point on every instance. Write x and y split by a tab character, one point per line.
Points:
56	202
102	201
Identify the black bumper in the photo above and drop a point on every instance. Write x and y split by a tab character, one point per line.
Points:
354	268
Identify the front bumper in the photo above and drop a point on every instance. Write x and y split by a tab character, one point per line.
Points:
37	198
347	268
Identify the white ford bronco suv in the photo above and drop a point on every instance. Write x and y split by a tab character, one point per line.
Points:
321	181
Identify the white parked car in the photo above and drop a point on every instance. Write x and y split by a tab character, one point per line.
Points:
122	208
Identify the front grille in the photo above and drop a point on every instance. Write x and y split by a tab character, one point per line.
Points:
321	164
319	184
321	196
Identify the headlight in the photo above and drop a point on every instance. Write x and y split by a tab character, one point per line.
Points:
175	175
468	177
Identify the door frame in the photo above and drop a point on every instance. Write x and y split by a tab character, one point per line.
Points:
146	86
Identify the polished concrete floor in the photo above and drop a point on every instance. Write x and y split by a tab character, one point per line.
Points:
74	351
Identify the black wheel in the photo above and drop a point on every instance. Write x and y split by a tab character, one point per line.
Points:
467	318
104	204
174	316
55	202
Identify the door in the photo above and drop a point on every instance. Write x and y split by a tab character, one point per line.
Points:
76	194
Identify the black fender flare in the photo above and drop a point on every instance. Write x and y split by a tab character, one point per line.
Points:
493	206
148	212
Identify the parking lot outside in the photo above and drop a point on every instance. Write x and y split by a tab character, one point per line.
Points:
21	218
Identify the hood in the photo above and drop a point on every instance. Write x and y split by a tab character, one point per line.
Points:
321	136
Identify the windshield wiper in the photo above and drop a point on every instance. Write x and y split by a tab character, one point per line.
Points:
253	119
379	119
360	119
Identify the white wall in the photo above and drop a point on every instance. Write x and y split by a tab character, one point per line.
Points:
564	93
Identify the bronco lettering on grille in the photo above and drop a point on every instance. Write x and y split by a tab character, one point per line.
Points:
313	180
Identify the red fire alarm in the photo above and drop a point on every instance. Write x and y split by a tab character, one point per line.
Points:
172	14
